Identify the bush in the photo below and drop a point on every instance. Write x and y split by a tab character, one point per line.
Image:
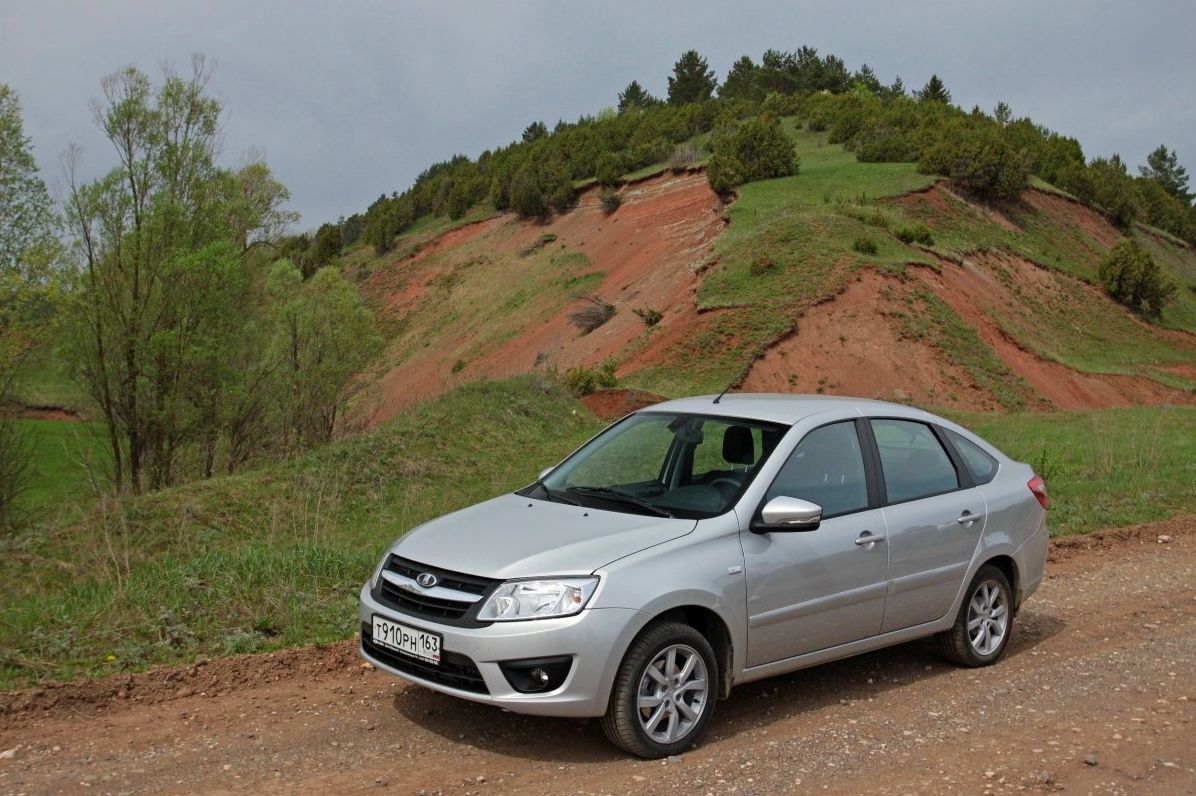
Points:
610	169
1132	277
762	265
610	199
596	312
650	317
865	245
915	233
583	381
724	172
979	161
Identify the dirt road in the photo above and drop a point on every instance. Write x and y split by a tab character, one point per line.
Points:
1096	695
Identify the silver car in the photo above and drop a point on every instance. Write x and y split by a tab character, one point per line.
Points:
703	543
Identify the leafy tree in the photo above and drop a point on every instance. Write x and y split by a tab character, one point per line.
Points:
935	91
692	80
635	97
1163	166
324	337
164	228
26	212
1132	277
534	132
742	81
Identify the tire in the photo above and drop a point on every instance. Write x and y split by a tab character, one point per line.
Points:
671	719
989	601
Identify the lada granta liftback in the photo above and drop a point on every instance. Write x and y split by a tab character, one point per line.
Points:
699	544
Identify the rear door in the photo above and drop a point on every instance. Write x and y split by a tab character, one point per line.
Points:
809	590
935	516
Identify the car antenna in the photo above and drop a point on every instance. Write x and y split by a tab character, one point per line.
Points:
739	377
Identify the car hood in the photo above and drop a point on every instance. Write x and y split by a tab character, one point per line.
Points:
518	537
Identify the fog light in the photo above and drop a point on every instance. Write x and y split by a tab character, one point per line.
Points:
536	675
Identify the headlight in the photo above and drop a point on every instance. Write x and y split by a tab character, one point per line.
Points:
537	599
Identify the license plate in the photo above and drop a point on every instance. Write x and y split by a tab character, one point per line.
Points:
407	640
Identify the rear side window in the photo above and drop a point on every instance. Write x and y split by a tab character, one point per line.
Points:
982	466
914	462
826	468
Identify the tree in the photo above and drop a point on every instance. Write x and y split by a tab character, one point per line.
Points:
742	81
610	169
867	80
979	160
534	132
635	97
756	149
935	91
324	337
896	89
692	80
1132	277
1112	189
325	246
26	212
1163	167
1002	113
162	294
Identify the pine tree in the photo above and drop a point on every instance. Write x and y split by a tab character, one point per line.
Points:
1002	113
897	89
867	78
934	91
741	82
692	80
534	132
635	97
1162	166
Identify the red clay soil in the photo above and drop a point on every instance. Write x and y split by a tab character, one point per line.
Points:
853	346
613	404
969	287
1070	213
648	251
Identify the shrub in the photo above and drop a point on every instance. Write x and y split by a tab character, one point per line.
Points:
915	233
756	149
865	245
610	199
724	172
650	317
762	265
583	381
610	168
458	366
1132	277
596	312
979	161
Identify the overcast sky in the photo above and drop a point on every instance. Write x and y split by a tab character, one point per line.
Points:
349	100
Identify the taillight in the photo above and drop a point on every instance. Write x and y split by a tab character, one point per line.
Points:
1038	487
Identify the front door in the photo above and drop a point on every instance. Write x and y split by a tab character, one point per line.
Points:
810	590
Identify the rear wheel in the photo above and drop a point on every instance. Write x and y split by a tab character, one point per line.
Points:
984	623
664	692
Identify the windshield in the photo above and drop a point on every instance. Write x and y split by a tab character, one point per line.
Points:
673	465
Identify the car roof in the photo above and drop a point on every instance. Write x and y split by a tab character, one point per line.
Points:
784	408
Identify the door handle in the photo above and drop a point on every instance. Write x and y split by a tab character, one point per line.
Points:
968	517
867	538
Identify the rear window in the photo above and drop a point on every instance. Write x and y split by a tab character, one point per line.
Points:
982	466
914	462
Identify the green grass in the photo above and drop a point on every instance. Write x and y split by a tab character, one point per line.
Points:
268	558
63	454
1103	469
43	379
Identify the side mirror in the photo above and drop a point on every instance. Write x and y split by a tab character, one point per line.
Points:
544	472
788	514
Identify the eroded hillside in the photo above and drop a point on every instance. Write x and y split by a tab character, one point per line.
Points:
803	284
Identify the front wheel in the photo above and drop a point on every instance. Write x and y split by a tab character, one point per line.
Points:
664	692
984	623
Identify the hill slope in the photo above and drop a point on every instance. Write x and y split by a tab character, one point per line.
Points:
800	284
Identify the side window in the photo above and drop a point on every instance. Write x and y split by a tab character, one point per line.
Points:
827	468
914	463
982	466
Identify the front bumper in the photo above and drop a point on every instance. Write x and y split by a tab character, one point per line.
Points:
596	638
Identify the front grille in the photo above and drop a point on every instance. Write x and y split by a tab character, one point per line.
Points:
454	671
442	610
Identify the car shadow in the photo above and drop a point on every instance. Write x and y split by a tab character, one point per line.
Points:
460	721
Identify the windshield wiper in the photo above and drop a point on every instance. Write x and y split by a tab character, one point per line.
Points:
557	496
615	495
